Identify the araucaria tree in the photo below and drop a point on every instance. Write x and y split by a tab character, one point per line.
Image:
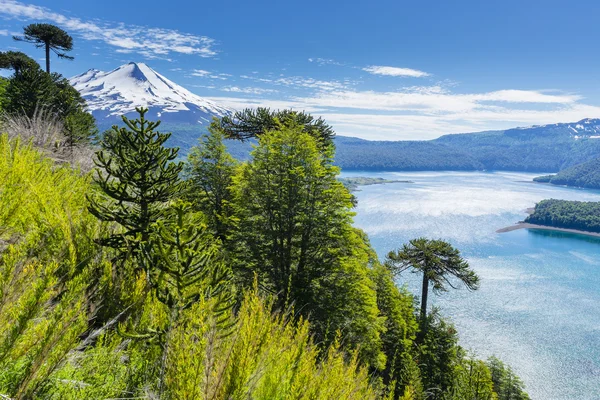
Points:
16	61
250	123
439	263
137	178
49	37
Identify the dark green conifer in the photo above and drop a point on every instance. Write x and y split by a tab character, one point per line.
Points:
49	37
16	61
137	179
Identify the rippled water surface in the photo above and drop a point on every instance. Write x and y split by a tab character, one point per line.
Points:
538	308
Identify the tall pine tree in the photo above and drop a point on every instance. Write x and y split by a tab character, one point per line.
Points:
137	179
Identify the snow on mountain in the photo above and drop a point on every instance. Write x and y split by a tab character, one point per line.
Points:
588	127
112	94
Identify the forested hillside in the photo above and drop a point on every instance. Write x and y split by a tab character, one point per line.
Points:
209	278
545	148
586	175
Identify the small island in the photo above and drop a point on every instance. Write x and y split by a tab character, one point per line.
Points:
562	215
353	183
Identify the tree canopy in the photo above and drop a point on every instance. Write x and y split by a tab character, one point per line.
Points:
252	123
17	61
50	37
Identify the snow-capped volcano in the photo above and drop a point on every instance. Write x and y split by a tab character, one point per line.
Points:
112	94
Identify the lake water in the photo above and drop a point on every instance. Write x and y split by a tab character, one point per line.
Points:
538	308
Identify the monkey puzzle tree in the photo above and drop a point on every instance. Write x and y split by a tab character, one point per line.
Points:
16	61
438	261
250	123
49	37
137	179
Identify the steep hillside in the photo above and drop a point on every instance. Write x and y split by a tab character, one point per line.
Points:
586	175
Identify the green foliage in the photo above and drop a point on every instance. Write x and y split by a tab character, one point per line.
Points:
266	357
47	264
184	262
473	381
252	123
295	232
396	306
438	357
507	385
209	171
580	215
137	179
72	327
33	89
49	37
438	261
586	175
17	61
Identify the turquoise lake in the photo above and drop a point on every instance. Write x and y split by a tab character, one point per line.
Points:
538	308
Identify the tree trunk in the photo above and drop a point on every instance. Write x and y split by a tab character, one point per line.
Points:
424	293
48	57
423	318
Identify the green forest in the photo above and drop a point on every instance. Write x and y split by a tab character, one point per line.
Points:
146	277
531	149
580	215
586	175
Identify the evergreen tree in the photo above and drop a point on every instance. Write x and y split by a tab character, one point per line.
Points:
295	233
33	90
250	123
438	261
209	170
506	383
185	262
49	37
137	179
16	61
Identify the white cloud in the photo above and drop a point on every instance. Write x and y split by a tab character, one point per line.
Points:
247	90
395	71
200	72
147	41
325	61
427	112
4	32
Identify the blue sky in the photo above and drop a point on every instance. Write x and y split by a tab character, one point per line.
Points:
376	70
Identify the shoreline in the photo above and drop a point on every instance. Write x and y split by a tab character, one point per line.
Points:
526	225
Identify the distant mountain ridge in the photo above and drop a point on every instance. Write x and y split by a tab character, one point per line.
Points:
112	94
543	148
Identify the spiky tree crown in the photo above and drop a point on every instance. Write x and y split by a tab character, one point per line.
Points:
43	35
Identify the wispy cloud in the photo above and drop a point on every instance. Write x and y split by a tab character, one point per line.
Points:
395	71
247	90
200	72
429	111
300	82
146	41
325	61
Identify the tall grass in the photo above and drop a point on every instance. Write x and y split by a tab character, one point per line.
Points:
46	133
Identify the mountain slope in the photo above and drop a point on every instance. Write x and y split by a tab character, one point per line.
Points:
537	148
112	94
586	175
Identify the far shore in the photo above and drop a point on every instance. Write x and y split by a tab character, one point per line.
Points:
526	225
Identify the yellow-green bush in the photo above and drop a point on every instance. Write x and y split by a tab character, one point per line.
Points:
46	237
